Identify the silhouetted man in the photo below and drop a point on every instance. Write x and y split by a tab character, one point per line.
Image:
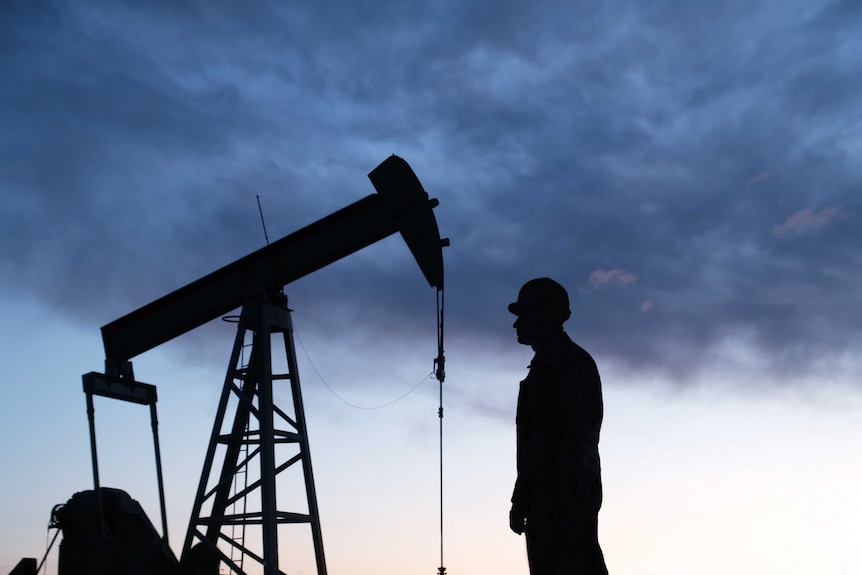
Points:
558	492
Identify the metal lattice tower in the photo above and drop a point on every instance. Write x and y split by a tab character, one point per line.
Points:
249	443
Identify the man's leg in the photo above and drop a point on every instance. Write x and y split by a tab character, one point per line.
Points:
542	546
579	552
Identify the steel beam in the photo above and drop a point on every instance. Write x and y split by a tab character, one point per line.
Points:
401	204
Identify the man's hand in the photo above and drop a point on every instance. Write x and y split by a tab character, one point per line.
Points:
517	519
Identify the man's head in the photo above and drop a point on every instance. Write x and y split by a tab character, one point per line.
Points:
542	308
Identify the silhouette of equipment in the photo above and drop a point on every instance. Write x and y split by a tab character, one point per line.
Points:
105	531
401	205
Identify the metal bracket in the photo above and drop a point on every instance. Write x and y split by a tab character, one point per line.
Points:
124	389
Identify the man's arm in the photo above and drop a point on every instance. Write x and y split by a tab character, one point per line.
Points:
535	420
577	390
536	449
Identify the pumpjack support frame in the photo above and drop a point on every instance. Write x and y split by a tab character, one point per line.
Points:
259	425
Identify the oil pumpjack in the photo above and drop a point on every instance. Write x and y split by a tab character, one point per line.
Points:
105	530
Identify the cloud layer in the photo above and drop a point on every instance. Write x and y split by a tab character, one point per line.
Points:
689	173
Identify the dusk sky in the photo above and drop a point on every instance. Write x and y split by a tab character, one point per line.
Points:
689	171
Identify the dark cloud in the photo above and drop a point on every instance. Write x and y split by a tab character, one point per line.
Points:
698	163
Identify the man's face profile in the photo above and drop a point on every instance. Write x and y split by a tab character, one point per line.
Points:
532	328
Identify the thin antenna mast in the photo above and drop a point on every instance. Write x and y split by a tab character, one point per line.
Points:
263	223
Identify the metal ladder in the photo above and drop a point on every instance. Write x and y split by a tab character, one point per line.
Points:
240	479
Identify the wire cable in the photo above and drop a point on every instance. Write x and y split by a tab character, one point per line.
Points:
440	374
346	402
48	550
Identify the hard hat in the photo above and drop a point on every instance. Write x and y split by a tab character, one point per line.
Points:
544	297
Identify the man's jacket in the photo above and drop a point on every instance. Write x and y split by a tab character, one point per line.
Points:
558	422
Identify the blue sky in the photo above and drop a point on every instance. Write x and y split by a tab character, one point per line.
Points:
689	171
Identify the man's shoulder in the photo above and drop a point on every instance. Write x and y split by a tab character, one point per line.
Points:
582	354
562	347
564	356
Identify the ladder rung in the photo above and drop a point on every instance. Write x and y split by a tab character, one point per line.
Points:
248	439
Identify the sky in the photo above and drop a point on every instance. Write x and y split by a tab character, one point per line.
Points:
687	170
